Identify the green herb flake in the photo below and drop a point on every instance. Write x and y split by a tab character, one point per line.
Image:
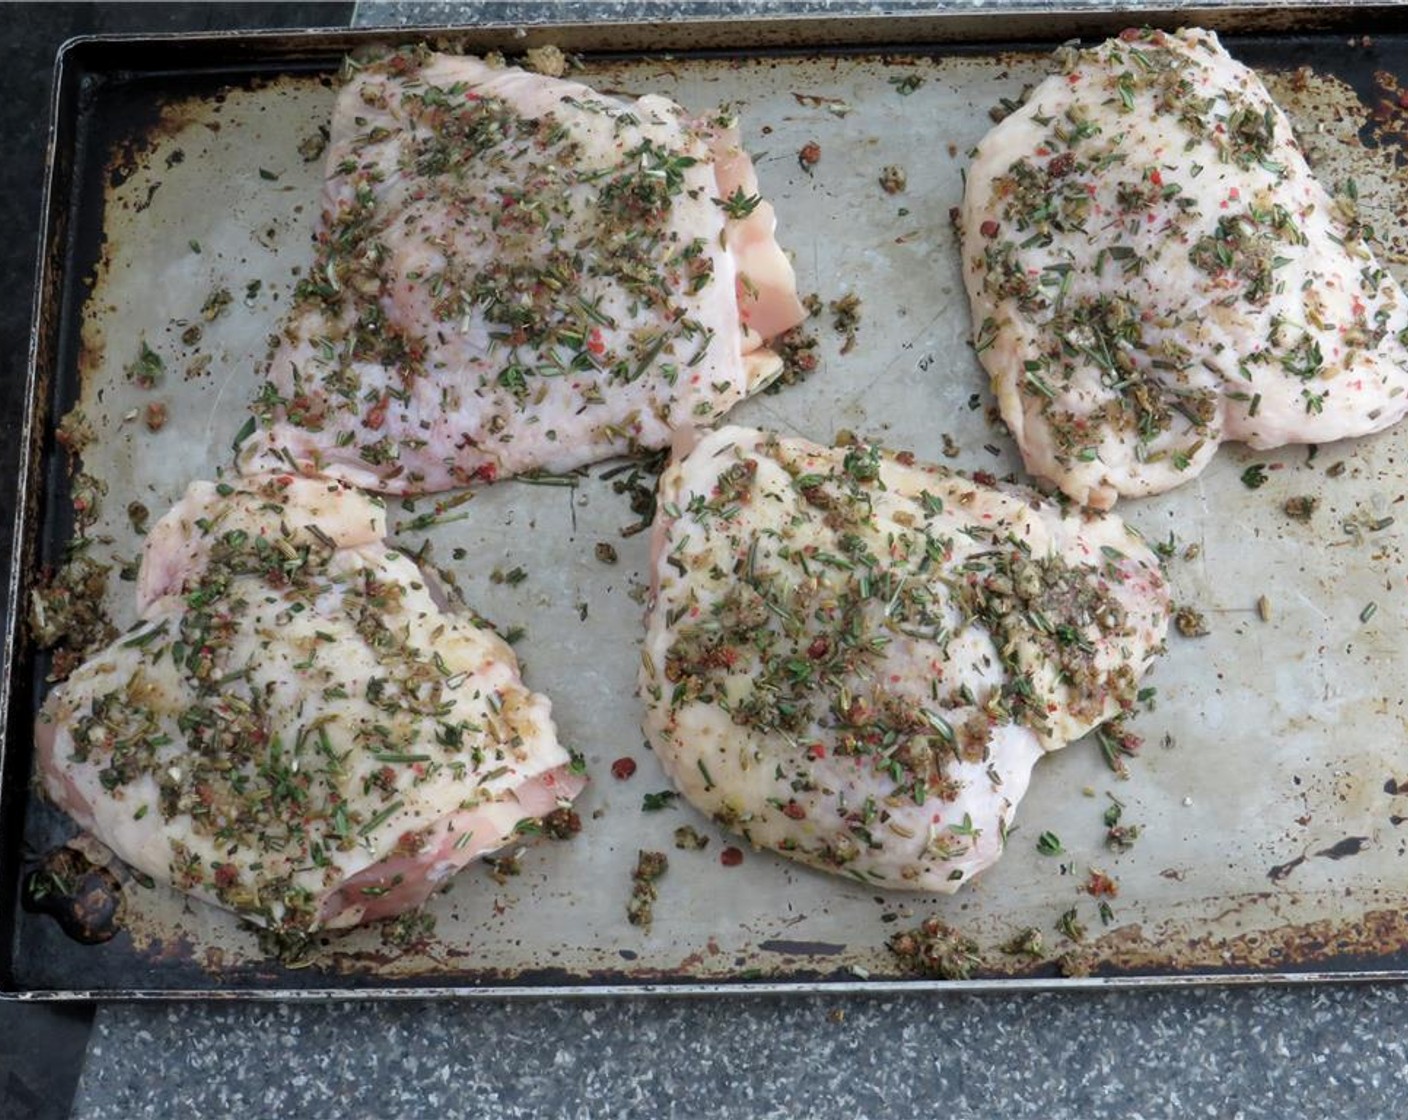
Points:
738	205
246	430
147	369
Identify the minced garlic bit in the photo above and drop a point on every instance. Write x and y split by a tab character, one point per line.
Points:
548	60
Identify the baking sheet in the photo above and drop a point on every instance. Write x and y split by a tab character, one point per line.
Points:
1270	739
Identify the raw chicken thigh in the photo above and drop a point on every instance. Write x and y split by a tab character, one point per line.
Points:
517	273
295	730
856	659
1153	270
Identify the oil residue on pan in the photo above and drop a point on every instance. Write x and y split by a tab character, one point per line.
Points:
1267	743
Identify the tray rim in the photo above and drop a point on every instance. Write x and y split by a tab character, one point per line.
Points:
705	989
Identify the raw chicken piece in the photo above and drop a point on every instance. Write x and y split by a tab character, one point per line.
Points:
856	659
1153	269
295	730
517	273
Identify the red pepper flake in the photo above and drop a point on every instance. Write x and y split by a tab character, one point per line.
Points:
985	478
809	156
731	857
794	811
1101	885
156	416
1156	177
226	876
819	648
989	228
595	343
623	768
376	415
1131	35
816	751
487	472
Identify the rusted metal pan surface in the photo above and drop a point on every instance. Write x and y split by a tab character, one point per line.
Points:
1271	793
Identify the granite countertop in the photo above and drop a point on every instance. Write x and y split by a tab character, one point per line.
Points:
1246	1052
1225	1053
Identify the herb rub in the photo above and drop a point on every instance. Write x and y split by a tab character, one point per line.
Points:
517	273
295	730
1153	269
856	659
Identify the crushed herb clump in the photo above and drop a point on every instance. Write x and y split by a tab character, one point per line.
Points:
1301	508
936	949
66	613
846	319
650	867
1190	622
690	839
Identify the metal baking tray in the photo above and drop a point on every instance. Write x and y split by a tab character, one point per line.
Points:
1272	788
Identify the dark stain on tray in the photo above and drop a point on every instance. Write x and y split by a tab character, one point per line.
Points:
802	948
1283	870
1342	849
86	900
1349	846
1375	940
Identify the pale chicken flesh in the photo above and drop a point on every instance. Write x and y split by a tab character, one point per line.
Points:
295	729
856	659
1153	269
516	273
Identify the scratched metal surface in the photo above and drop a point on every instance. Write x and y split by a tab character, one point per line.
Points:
1271	739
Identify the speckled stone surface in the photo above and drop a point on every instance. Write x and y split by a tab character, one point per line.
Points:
1228	1053
1247	1054
375	13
